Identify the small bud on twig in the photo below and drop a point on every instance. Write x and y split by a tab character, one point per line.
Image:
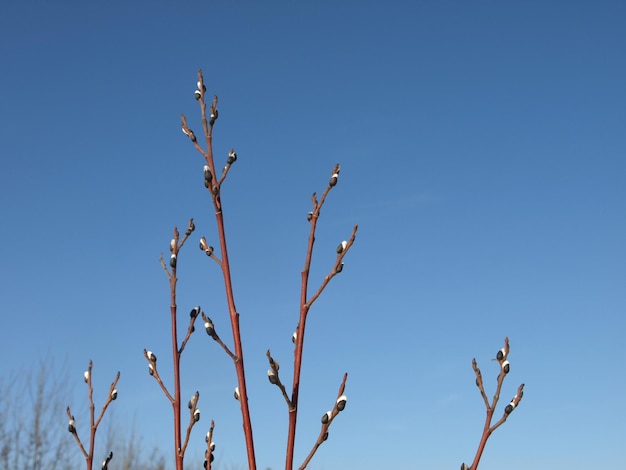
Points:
333	179
114	394
206	248
339	268
196	415
236	394
271	375
294	337
501	354
192	402
190	228
232	157
326	417
341	402
150	369
173	260
506	367
105	463
342	246
151	356
194	312
86	376
210	328
173	245
71	427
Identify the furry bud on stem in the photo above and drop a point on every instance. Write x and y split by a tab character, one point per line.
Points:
232	157
71	427
194	312
341	402
342	246
501	354
86	376
236	394
506	367
326	417
173	260
192	402
271	375
114	394
196	415
210	328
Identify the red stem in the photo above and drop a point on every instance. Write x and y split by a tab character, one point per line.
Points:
304	308
176	360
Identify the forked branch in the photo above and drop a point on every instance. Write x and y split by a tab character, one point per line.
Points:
502	359
93	422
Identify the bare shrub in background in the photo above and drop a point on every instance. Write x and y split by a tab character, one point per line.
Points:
31	434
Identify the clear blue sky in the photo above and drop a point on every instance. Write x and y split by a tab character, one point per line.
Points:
483	151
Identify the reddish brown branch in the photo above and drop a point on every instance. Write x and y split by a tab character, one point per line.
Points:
210	329
274	379
214	187
488	429
94	423
327	420
210	447
306	303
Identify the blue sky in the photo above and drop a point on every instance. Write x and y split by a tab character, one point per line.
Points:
482	147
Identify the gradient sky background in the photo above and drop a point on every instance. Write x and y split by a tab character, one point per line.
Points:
483	151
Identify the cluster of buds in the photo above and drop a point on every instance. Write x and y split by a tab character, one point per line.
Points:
340	405
200	91
105	463
214	113
152	358
501	357
205	247
208	454
508	409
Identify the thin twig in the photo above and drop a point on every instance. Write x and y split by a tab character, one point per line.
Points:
327	420
488	429
210	447
92	421
213	186
306	303
274	378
